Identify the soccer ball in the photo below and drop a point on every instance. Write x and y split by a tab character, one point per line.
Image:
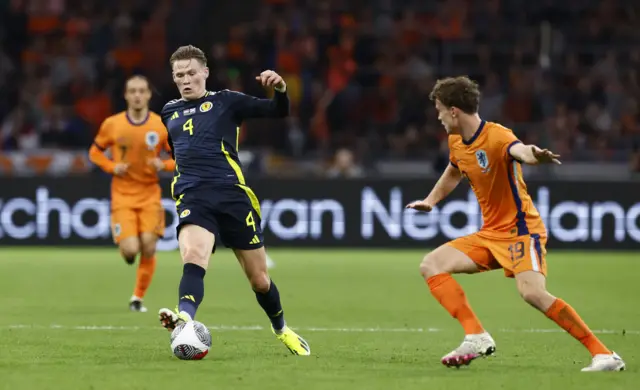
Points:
190	341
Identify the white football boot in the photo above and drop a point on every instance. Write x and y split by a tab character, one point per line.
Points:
473	347
603	362
170	319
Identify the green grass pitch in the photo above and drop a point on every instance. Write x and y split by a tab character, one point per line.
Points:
368	316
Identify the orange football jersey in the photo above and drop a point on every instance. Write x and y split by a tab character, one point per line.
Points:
496	179
136	145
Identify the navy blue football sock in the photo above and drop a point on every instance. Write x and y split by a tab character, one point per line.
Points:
191	290
270	302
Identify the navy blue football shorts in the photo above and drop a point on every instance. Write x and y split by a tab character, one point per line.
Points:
231	213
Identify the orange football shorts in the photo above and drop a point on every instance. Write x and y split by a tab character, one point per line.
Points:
514	254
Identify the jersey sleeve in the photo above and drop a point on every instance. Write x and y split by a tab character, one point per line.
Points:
103	141
165	144
169	164
167	111
104	138
165	116
247	106
170	146
505	140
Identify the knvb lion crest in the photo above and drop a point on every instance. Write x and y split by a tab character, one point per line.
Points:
151	139
483	160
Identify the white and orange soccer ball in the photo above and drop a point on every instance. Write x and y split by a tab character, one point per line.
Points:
190	341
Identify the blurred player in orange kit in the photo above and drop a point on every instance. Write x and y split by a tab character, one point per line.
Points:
136	138
513	236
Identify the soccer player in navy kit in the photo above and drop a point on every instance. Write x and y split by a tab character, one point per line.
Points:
212	199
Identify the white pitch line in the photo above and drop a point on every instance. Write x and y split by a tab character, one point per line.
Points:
225	328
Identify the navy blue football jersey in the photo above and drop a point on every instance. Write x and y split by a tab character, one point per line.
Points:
203	135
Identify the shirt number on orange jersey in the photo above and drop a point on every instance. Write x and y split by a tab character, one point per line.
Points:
517	251
123	152
188	126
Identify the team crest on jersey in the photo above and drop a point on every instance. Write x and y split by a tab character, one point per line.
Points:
483	160
151	139
206	106
185	213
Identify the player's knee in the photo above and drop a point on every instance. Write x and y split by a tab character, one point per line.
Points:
260	282
148	249
535	295
532	288
195	254
129	249
532	297
431	265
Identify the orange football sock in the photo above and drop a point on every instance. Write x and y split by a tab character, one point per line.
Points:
146	268
565	316
451	296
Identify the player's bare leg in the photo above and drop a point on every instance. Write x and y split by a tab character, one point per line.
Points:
196	244
254	264
436	268
532	288
146	269
129	249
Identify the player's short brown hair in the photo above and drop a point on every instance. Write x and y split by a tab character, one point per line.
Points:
188	52
460	92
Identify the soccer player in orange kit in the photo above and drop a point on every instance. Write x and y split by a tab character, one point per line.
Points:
513	236
136	138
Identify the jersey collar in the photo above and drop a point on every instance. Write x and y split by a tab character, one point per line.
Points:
131	122
475	135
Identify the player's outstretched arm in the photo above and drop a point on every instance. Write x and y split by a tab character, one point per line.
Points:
533	155
247	106
448	182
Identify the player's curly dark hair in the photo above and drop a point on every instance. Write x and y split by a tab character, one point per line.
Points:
460	92
188	52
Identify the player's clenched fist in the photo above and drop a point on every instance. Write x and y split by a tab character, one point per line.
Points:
420	205
269	78
120	169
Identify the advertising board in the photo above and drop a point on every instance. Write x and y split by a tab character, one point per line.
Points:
75	211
